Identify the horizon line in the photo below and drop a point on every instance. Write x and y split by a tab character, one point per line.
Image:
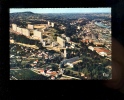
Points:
59	12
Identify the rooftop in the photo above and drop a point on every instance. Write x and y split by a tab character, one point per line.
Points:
102	50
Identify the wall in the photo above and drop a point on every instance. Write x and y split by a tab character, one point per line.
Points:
60	41
19	30
25	32
37	34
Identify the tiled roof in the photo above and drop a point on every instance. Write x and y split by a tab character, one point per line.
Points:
102	50
41	71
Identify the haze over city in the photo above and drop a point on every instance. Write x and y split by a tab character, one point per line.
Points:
61	10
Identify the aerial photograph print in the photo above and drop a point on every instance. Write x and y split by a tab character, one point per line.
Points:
60	43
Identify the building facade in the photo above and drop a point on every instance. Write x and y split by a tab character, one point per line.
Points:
68	39
25	32
52	24
37	34
14	27
61	41
19	30
30	26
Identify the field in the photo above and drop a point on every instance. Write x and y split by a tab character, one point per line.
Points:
26	74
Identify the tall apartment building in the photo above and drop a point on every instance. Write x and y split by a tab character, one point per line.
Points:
30	26
64	53
14	27
61	41
19	30
48	23
25	32
37	34
52	24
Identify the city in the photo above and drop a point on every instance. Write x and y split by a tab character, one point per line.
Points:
60	46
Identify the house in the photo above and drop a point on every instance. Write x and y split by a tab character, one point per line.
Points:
69	64
52	78
35	62
65	61
108	67
42	72
49	72
91	48
102	51
32	65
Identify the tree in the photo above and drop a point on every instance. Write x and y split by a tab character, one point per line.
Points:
55	68
93	71
75	68
85	71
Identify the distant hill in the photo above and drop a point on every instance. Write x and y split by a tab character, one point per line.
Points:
27	12
22	14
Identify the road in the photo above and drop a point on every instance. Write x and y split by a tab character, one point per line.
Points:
27	45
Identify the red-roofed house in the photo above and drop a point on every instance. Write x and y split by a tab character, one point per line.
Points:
102	51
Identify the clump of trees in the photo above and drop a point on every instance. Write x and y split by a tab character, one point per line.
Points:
24	39
92	65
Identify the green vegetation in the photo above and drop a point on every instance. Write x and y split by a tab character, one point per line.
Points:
26	74
92	65
24	39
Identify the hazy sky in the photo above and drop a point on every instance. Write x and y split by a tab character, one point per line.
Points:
62	10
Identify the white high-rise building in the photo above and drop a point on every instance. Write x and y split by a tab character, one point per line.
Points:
68	39
25	32
14	27
48	23
52	24
53	44
49	41
64	53
30	26
61	41
44	43
19	30
37	34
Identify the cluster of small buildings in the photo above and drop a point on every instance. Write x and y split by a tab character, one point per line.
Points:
99	37
77	21
62	27
101	51
93	33
31	53
49	72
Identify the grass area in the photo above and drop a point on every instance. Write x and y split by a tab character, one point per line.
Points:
24	62
23	74
27	45
71	70
52	30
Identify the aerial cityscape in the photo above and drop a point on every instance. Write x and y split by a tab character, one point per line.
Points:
60	44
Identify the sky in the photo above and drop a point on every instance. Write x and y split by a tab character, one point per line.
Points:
62	10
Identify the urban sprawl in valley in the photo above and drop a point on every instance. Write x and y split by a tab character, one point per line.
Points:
60	46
